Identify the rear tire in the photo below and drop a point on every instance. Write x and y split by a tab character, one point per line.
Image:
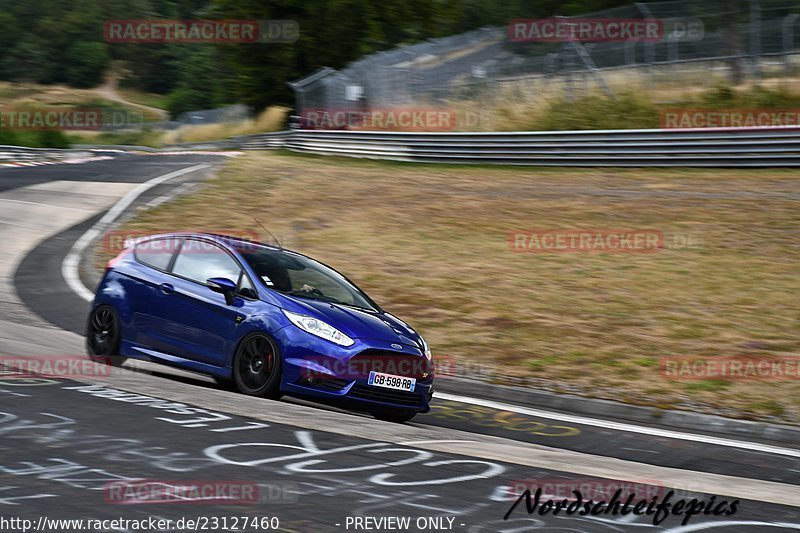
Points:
397	417
257	367
103	336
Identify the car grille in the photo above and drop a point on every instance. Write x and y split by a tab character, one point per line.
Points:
376	394
388	362
324	383
333	384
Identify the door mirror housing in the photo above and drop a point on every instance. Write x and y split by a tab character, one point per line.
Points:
223	286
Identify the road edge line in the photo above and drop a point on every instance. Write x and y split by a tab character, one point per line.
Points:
69	266
622	426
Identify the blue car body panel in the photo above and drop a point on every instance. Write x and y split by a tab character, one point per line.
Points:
172	320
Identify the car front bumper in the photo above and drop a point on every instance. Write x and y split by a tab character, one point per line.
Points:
317	369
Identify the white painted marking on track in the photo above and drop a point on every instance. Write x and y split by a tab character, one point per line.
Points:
730	523
639	450
621	426
432	441
69	267
41	204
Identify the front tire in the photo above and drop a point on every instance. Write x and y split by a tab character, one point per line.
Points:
103	336
257	367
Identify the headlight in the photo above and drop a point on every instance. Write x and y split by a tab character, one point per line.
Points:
426	348
319	328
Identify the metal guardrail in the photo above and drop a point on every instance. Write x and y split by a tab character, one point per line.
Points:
753	147
114	148
732	148
225	144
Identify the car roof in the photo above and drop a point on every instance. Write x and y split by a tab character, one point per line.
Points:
238	242
218	237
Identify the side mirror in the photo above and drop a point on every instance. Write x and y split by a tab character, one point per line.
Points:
223	286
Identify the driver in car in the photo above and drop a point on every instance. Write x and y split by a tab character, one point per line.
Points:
279	279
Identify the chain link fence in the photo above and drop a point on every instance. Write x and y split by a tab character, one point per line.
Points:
703	41
223	115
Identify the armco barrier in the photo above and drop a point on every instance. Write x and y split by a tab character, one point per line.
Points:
754	147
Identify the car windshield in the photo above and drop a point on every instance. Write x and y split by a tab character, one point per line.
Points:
297	275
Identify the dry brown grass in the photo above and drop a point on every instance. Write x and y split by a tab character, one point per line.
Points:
524	104
37	95
271	119
430	243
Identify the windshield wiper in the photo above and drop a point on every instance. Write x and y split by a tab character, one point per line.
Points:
358	307
310	296
327	299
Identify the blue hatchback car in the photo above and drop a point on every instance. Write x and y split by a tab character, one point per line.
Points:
269	320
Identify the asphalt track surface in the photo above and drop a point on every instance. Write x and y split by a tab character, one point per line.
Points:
61	446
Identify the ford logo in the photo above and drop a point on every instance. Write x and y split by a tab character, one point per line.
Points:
397	346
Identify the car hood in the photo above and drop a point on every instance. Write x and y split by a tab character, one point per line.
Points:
356	323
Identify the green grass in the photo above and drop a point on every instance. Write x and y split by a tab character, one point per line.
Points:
34	138
770	407
709	385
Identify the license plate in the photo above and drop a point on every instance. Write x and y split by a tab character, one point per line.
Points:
388	381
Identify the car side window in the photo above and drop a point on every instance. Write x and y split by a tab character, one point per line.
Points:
156	253
200	260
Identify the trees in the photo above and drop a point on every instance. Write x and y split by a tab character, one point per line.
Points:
86	62
62	41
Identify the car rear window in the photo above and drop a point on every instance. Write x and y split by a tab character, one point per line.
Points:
156	253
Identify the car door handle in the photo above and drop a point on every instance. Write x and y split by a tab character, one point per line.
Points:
166	288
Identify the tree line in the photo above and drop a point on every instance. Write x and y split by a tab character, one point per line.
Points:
62	41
